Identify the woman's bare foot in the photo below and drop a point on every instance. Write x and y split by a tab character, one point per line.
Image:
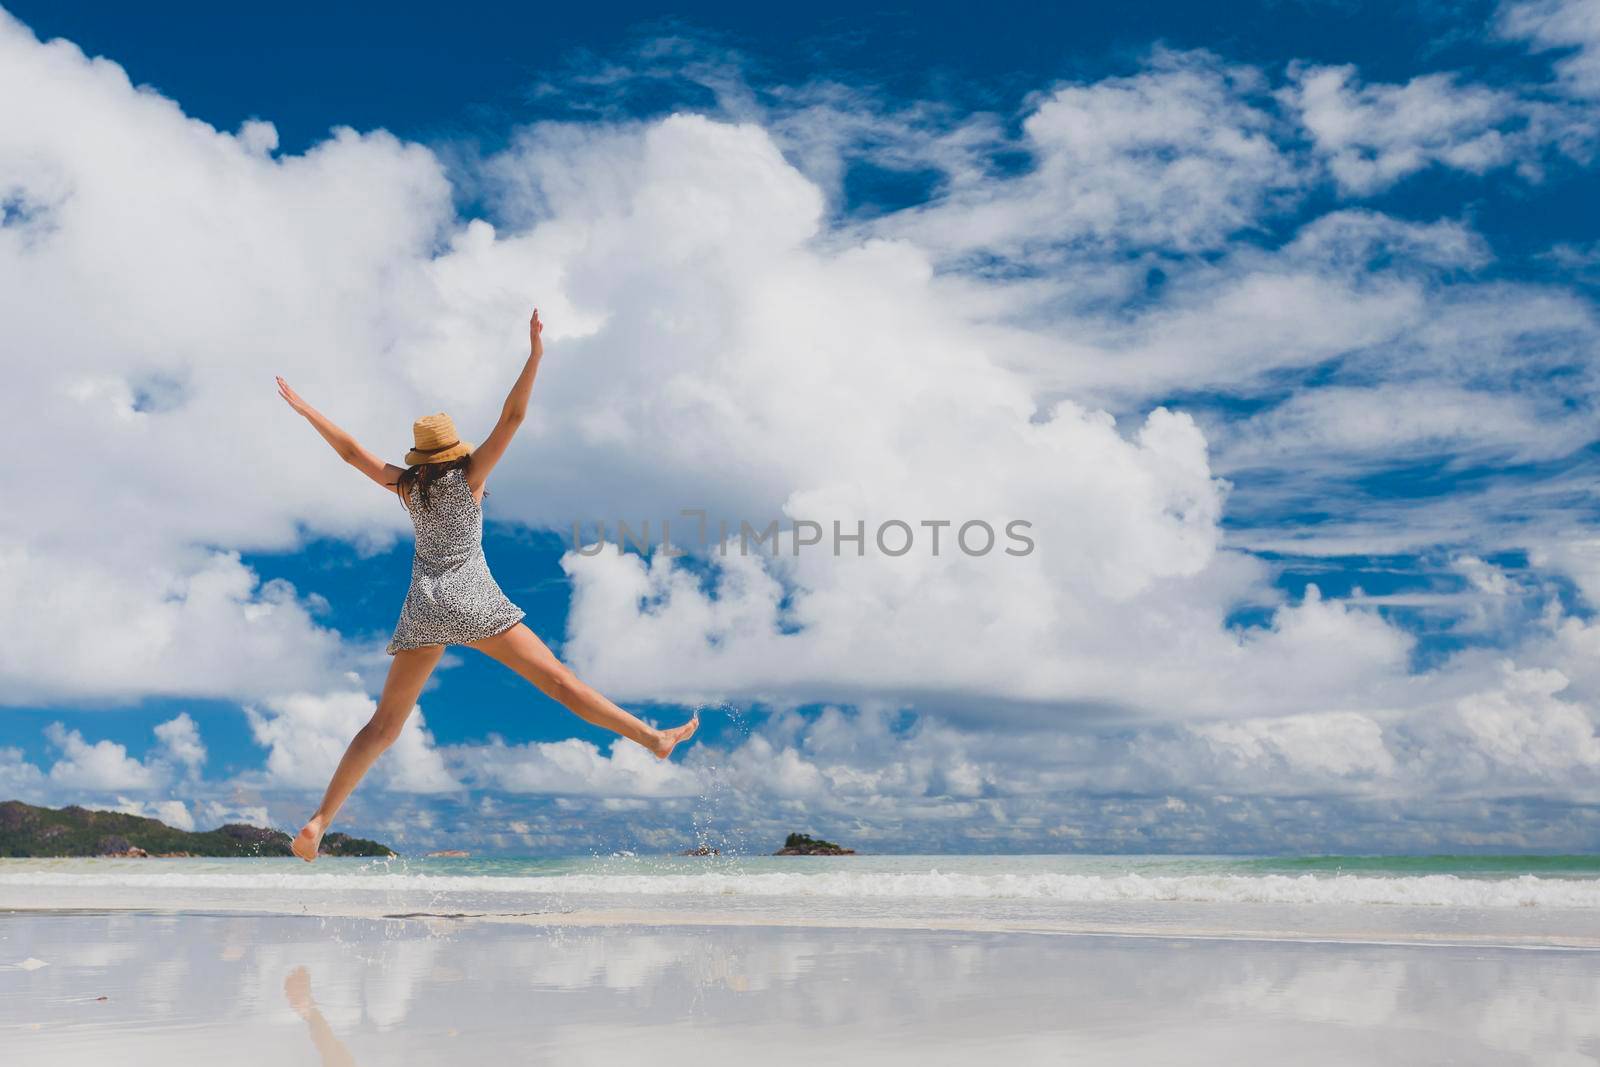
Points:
667	740
308	841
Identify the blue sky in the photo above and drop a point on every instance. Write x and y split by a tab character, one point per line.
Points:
1278	326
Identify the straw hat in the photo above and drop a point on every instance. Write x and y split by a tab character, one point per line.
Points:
436	440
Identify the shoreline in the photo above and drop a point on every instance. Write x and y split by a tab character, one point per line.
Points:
1153	899
690	920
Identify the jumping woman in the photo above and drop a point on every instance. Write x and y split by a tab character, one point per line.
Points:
453	599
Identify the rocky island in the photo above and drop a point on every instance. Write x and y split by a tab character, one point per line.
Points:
806	845
27	831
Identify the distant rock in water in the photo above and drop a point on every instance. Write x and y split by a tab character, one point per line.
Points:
450	853
806	845
703	850
27	831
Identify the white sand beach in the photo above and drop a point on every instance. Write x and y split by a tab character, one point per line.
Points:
268	962
83	988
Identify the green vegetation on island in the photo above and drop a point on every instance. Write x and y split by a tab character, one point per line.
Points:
806	845
27	831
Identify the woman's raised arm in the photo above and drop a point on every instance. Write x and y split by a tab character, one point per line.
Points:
349	449
515	409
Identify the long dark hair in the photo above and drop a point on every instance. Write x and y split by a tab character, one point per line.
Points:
423	475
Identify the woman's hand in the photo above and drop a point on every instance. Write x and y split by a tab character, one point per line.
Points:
535	328
292	397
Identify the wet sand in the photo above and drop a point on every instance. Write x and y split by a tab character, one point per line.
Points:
99	987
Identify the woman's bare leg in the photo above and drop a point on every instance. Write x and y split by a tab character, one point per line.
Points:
520	649
407	674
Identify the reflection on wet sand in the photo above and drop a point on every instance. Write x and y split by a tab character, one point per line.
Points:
238	989
297	987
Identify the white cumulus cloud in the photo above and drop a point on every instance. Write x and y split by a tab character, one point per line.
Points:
103	766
